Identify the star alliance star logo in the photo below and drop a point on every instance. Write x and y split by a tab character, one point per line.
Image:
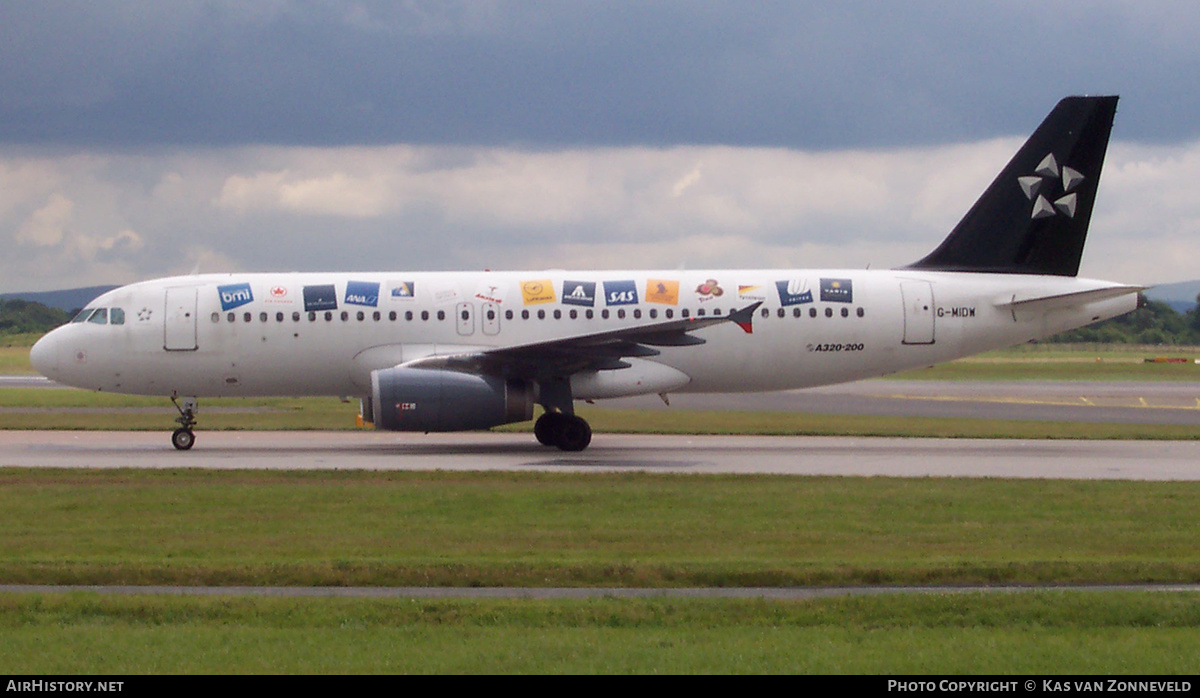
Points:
144	314
1043	183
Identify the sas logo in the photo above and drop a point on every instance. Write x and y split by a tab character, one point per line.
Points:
362	293
620	293
323	297
403	290
794	292
535	292
662	291
235	295
709	290
837	291
579	293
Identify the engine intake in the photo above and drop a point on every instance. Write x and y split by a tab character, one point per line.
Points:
414	399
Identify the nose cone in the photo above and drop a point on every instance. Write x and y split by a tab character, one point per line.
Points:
44	355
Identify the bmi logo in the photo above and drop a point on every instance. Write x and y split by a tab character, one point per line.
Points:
1044	182
234	295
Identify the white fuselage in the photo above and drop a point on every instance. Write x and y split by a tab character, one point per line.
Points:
323	334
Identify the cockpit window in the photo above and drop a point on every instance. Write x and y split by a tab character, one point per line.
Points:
100	316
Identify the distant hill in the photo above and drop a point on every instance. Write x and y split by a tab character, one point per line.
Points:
1180	296
68	300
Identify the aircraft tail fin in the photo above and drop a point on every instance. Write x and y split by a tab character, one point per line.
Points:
1034	217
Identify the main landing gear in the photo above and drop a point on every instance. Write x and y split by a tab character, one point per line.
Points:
184	438
568	432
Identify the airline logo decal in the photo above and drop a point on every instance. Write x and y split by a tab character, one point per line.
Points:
491	294
662	291
235	295
794	292
837	291
709	290
1044	181
445	295
323	297
362	293
535	292
748	292
620	293
579	293
278	294
402	290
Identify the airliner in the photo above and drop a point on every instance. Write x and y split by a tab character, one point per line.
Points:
452	351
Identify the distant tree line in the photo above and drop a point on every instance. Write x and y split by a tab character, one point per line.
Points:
1153	323
21	317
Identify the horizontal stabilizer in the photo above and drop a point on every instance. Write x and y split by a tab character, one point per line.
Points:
1051	301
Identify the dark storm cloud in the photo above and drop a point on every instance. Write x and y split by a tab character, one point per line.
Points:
807	75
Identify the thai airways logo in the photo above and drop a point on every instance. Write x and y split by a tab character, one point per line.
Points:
235	295
1048	182
579	293
794	292
362	293
709	290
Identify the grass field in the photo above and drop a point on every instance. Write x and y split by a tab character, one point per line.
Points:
1051	633
472	529
551	529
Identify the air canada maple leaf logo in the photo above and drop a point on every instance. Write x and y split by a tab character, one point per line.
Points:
1049	182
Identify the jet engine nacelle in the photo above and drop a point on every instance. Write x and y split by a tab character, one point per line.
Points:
415	399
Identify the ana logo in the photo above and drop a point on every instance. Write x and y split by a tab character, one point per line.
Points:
579	293
362	293
1045	181
234	295
794	292
709	290
620	293
837	291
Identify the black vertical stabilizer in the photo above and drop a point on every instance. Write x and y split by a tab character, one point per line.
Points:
1033	219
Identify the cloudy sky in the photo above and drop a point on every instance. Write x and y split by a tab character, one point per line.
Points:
142	139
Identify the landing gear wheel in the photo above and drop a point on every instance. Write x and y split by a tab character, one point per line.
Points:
183	439
547	428
574	434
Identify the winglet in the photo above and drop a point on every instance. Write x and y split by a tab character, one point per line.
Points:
745	317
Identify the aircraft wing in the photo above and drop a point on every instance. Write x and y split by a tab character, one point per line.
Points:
597	351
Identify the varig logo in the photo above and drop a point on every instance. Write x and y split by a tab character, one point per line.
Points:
234	295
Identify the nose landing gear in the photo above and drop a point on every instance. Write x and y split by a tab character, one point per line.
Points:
184	438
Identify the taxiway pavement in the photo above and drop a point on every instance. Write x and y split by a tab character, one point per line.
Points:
787	455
